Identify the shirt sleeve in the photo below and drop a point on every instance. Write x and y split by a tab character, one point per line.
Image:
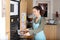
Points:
40	28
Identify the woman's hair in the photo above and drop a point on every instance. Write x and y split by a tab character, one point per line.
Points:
38	8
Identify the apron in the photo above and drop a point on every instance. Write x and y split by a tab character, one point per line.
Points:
40	35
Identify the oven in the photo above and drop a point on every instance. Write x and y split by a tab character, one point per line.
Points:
14	19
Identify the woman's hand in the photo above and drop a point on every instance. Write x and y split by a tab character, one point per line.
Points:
27	34
24	31
27	30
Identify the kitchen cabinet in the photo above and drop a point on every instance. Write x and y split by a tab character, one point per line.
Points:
58	32
8	23
29	6
8	18
23	6
23	9
50	32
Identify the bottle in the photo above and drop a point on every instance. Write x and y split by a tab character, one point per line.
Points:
57	14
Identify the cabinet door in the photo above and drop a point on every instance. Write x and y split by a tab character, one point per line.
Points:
8	18
50	32
29	6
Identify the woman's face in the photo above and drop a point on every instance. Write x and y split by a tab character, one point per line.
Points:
36	12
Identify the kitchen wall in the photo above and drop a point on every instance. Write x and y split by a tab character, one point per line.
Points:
2	24
56	6
53	6
50	6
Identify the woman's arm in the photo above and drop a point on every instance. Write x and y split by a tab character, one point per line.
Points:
40	28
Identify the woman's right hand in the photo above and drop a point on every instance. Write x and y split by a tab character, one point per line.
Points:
24	31
27	34
27	30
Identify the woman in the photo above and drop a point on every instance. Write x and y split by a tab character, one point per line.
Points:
38	24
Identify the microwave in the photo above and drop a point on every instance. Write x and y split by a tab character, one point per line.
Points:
13	8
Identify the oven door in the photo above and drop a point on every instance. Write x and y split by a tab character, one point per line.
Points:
13	8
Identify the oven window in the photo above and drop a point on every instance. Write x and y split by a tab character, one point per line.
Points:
11	7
